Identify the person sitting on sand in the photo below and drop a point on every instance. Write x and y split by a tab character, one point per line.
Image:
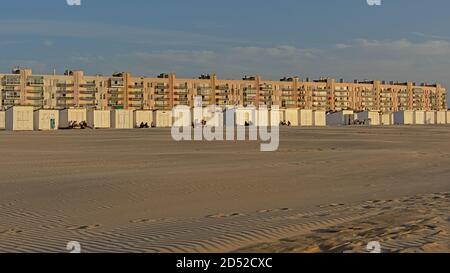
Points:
289	124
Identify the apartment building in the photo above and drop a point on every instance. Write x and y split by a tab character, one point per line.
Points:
73	89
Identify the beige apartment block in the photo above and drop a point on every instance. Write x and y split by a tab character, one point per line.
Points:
122	90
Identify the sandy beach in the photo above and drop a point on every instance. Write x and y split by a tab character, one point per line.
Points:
324	190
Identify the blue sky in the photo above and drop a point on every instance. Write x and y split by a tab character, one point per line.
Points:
399	40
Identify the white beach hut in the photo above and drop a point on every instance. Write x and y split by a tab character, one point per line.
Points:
2	120
373	117
306	117
45	120
430	117
122	119
419	117
19	118
320	118
99	119
441	117
345	117
143	116
162	118
404	117
67	116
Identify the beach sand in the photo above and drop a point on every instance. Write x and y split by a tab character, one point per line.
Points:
324	190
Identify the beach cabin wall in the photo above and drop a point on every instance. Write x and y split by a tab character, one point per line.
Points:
281	114
99	119
345	117
320	118
387	119
19	118
263	118
306	117
441	117
244	115
404	117
2	120
162	118
143	116
45	120
182	119
419	117
373	116
122	119
213	117
70	115
293	116
430	117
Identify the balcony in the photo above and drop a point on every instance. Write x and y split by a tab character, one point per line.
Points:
162	86
86	98
137	86
89	84
203	93
116	82
115	91
35	97
222	87
88	92
35	83
64	85
35	90
64	91
65	98
11	81
161	98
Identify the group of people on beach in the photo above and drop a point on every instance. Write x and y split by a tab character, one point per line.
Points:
284	123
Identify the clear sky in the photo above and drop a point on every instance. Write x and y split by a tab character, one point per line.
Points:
399	40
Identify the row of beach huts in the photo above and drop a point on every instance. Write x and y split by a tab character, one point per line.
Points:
25	118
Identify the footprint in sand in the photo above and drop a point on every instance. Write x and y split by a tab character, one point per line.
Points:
273	210
10	232
224	215
84	227
145	221
332	205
